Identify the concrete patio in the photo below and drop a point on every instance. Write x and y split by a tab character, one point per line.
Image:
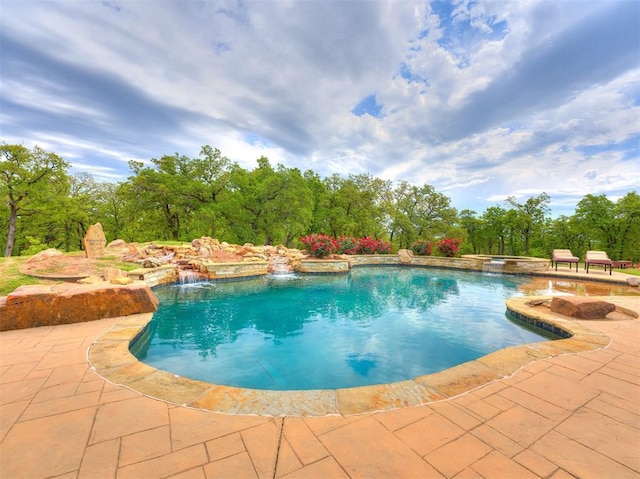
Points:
575	415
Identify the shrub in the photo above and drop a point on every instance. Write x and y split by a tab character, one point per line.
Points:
35	246
449	247
347	245
319	245
322	246
383	247
422	248
369	245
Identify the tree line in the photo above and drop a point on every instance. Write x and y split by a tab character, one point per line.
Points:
179	198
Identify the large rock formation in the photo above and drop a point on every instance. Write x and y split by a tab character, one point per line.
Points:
405	256
45	305
581	307
94	241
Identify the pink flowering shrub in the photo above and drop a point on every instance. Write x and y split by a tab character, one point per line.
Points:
319	245
421	248
347	245
384	247
449	247
369	245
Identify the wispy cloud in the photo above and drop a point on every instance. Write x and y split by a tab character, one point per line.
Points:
482	99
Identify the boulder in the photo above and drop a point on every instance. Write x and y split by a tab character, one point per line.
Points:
405	255
117	243
581	307
112	273
151	262
46	254
94	241
634	281
46	305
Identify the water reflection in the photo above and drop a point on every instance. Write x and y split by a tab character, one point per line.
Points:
559	286
374	325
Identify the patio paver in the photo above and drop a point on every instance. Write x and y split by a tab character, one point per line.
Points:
574	415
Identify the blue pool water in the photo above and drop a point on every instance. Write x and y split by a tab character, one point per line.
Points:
371	326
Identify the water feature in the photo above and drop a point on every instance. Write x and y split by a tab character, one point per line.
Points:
494	265
280	265
189	276
371	326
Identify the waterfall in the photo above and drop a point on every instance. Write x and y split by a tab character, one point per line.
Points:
188	276
280	265
493	265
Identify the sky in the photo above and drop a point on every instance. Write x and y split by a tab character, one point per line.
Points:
480	99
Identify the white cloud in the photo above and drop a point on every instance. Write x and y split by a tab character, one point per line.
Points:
481	99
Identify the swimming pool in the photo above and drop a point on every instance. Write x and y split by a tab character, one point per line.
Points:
374	325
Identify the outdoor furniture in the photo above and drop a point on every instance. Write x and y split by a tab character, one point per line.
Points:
598	258
564	256
622	264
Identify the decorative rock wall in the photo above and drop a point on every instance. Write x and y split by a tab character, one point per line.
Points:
165	274
467	262
234	270
373	259
323	266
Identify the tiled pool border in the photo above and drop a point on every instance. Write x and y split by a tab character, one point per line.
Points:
111	358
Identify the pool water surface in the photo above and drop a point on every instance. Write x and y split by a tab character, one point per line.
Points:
374	325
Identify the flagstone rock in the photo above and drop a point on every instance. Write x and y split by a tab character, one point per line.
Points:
46	305
581	307
112	273
94	241
117	243
44	255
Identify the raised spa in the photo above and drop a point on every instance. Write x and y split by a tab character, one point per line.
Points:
371	326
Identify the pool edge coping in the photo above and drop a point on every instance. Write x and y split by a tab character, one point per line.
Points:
110	358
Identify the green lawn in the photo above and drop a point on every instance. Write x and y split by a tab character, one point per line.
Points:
10	276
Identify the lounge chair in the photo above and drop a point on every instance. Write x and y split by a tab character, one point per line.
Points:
564	256
598	258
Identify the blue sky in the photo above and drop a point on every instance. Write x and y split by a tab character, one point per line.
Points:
480	99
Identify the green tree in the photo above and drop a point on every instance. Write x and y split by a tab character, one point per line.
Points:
612	227
110	208
27	180
154	195
566	233
420	212
530	217
473	228
495	229
80	206
268	205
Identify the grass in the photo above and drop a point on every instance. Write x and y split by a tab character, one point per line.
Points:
10	276
111	261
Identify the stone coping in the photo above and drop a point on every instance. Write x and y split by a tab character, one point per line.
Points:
111	358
